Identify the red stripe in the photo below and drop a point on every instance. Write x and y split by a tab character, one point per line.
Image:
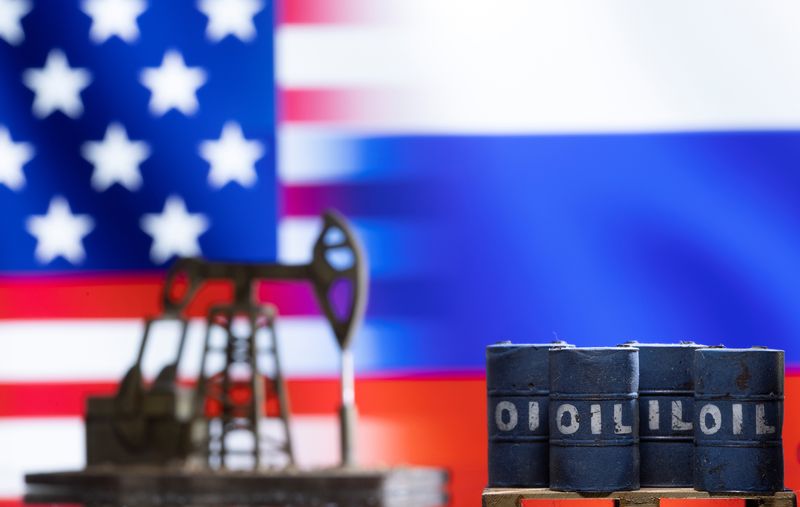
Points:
68	399
309	200
314	396
325	11
327	105
362	106
129	296
49	399
363	199
330	105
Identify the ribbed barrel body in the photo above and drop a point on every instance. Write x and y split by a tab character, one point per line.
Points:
594	419
517	383
666	411
738	420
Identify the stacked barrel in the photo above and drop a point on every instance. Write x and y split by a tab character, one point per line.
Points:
666	406
602	419
517	384
738	420
594	419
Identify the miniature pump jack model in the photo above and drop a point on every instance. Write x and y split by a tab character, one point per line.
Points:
167	423
168	441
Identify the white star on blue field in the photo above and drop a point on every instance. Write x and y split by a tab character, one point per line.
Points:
134	131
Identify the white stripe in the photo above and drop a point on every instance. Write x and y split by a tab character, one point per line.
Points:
72	350
567	66
296	238
57	444
38	445
312	155
359	63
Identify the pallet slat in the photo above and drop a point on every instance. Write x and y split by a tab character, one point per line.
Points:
646	497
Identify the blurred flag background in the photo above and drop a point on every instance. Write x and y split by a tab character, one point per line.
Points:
592	171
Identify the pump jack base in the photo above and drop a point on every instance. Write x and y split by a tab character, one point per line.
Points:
163	486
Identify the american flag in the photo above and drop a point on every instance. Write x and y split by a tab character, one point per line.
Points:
131	133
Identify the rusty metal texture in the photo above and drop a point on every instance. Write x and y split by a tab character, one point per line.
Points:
738	419
594	419
666	409
142	424
517	388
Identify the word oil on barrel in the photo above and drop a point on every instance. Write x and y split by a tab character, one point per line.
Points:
517	387
594	419
738	420
666	411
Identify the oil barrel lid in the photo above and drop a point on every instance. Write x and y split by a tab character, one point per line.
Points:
554	343
752	348
681	343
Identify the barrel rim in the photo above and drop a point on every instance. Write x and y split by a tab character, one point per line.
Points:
705	395
499	438
711	443
751	350
666	393
667	439
511	345
624	441
603	396
591	349
666	345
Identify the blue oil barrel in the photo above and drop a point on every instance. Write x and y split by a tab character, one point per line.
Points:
738	420
666	411
517	388
594	419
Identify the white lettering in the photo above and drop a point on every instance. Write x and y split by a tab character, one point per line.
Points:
574	420
715	414
505	406
678	424
533	415
619	428
597	421
653	416
762	428
738	418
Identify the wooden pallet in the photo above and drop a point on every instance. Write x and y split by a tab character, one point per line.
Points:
647	497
